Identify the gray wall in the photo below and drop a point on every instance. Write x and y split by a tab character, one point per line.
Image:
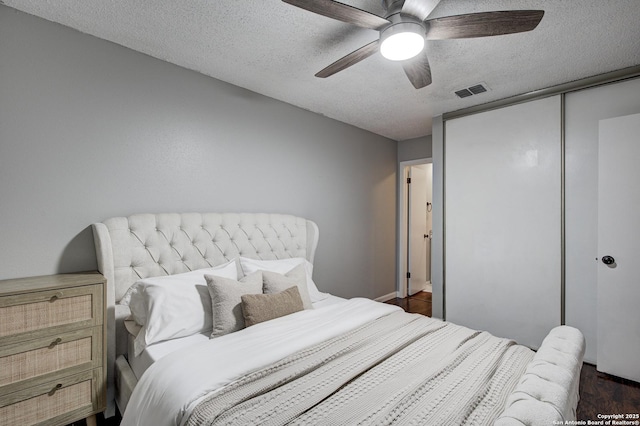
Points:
91	130
414	149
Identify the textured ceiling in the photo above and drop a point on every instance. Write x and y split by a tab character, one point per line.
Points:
275	49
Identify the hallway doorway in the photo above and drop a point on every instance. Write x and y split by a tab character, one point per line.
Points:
415	228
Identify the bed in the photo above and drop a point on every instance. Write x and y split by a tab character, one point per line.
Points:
331	361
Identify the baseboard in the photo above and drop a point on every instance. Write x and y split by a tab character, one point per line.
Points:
386	297
396	294
425	287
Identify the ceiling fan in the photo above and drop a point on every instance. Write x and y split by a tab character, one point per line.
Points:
406	27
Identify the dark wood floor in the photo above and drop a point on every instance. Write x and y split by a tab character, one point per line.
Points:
604	394
101	421
419	303
599	393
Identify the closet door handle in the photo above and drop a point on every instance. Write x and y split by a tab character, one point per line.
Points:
608	260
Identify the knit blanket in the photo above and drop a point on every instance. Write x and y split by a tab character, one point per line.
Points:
402	369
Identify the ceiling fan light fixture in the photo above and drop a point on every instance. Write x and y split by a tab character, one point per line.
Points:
402	41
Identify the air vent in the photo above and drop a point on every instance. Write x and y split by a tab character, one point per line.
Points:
464	93
478	88
473	90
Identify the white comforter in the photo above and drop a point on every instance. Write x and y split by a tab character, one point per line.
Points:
175	384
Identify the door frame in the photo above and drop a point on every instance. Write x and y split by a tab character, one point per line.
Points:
401	225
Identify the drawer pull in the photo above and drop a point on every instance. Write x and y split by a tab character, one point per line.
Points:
55	388
55	297
54	343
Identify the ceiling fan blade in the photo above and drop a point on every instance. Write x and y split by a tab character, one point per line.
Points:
352	58
483	24
418	70
341	12
419	8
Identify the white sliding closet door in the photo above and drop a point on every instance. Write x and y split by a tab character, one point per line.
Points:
618	247
503	220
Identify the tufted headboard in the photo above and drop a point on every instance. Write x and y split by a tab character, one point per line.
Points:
148	245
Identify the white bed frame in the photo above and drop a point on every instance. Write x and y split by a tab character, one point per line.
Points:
147	245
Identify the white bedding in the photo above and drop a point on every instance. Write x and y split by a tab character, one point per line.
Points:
550	384
329	300
152	353
174	384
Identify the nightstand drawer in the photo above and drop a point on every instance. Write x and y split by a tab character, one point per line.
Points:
26	364
31	315
54	403
52	354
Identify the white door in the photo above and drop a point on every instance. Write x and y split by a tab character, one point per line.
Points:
419	255
503	220
619	245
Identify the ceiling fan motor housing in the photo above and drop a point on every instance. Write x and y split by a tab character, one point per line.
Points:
398	19
392	6
403	26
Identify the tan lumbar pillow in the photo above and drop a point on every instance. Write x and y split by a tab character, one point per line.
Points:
257	308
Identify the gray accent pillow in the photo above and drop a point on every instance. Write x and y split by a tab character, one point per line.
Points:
226	301
257	308
297	277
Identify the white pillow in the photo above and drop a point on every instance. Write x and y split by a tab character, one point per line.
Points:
282	266
173	306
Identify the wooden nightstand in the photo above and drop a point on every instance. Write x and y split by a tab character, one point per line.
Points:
52	357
